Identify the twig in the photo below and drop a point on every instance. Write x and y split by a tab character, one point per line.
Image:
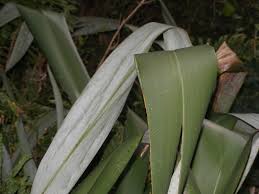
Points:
124	21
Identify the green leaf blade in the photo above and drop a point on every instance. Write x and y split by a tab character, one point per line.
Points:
52	34
164	119
107	172
179	98
90	120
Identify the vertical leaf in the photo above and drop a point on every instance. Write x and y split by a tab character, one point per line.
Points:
58	98
179	99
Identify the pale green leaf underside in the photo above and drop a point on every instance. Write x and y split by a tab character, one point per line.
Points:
221	156
103	177
92	116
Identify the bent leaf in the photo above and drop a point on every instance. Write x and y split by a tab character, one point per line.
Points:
52	34
92	116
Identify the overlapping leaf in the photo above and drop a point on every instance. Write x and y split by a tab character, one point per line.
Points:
179	99
107	172
224	161
91	118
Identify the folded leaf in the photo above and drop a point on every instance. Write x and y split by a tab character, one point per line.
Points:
92	116
178	98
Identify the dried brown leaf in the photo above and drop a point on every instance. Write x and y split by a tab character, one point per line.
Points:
227	59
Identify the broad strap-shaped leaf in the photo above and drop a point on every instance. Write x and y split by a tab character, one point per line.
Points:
92	25
92	116
177	98
107	172
52	34
8	13
253	120
22	44
221	156
163	141
134	180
